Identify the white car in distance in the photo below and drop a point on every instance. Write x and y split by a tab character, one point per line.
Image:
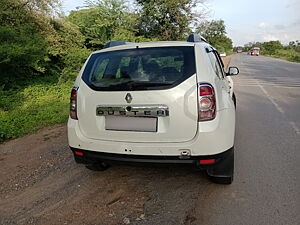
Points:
223	54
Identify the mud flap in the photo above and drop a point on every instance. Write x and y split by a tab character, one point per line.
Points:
222	172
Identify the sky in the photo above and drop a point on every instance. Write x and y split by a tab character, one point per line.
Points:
247	20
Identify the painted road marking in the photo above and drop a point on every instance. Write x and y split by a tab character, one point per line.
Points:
257	83
293	124
286	83
270	98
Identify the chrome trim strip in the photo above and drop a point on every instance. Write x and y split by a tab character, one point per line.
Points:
135	110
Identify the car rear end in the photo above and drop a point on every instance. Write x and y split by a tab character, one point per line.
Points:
146	103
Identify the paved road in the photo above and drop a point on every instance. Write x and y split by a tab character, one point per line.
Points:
267	175
41	184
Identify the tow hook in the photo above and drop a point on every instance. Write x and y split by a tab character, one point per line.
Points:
185	154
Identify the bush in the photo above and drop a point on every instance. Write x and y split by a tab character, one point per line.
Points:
21	52
270	48
74	60
288	54
26	110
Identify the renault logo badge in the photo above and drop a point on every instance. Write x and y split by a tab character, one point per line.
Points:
128	98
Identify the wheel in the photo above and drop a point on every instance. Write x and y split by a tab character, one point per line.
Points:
222	172
100	166
234	100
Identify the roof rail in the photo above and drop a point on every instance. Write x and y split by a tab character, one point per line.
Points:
195	38
115	43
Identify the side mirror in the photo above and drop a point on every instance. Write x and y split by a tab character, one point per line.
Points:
232	71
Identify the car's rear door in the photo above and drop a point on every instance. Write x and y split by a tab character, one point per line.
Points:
140	95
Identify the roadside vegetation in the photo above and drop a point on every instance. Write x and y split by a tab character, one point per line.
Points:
42	50
290	52
215	33
27	109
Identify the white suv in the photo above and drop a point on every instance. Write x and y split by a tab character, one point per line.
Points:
155	102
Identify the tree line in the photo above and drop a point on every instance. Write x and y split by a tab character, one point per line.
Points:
39	43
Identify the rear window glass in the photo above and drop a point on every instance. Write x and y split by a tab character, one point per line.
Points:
139	68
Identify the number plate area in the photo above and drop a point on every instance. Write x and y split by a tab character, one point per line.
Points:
132	118
127	123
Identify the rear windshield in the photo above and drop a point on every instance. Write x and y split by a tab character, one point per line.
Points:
139	68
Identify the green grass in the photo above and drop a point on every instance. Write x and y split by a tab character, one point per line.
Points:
26	110
287	54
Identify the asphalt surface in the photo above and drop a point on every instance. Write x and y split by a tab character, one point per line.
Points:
267	174
41	184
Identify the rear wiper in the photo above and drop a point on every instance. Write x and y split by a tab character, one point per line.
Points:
122	85
138	84
148	84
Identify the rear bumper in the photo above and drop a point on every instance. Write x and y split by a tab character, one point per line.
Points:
89	157
213	137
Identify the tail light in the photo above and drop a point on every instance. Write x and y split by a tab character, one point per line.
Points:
207	161
207	102
73	103
79	153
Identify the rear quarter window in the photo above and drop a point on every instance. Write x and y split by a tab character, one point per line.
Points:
215	64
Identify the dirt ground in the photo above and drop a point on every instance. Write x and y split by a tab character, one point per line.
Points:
226	61
41	184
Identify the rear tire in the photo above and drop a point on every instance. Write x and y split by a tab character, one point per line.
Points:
99	166
222	172
234	100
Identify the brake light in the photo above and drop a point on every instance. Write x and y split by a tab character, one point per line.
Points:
207	161
206	89
207	102
79	153
73	103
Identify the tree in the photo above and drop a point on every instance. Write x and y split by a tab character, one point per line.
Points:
271	47
104	20
22	45
222	43
215	33
34	43
166	20
211	29
294	45
46	7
